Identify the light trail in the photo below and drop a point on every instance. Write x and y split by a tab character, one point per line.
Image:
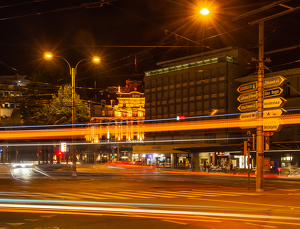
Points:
147	211
154	127
125	122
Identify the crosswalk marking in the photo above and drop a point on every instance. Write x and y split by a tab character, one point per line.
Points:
127	194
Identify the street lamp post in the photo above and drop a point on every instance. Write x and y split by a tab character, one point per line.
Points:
73	72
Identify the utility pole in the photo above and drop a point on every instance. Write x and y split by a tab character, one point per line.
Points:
73	147
259	129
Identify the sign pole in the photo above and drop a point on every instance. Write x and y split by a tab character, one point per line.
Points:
248	158
259	130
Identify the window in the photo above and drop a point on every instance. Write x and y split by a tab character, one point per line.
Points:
192	77
12	93
184	78
185	107
200	75
165	95
6	105
159	82
214	73
206	90
206	105
6	93
172	94
199	106
178	93
147	98
159	96
199	90
165	110
214	88
172	80
153	111
1	93
222	71
153	97
166	81
184	92
222	103
153	83
206	74
12	105
222	88
103	112
214	104
159	110
172	109
178	109
192	107
178	79
192	91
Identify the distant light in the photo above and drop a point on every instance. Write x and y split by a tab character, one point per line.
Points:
144	155
48	55
204	11
180	117
155	155
96	59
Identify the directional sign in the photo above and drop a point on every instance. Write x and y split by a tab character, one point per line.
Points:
274	102
247	87
271	125
247	97
247	116
248	106
273	113
275	81
273	92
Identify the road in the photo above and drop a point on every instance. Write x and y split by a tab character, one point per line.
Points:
121	197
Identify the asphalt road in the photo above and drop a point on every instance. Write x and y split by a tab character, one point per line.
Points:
120	197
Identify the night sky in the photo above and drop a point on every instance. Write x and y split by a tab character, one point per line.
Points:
77	29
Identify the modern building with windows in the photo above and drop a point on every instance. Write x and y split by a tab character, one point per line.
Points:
194	87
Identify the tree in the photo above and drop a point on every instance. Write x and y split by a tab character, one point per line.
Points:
60	110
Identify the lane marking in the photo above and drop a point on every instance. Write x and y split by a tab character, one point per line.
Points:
15	224
171	221
261	225
31	220
237	202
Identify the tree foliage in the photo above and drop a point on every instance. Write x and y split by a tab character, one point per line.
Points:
60	110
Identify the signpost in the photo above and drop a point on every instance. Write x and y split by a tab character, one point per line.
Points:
271	125
273	92
273	113
275	81
274	103
247	116
248	106
247	87
247	97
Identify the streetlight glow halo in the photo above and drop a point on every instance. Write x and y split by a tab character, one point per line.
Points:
204	11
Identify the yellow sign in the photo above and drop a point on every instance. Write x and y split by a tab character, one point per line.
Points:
274	102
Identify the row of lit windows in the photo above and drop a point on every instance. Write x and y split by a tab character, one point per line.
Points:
10	93
187	77
10	105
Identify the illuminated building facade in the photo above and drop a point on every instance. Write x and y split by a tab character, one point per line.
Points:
121	115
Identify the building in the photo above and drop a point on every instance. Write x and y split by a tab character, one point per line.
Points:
113	122
193	87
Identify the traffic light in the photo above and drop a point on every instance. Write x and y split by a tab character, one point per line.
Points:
59	154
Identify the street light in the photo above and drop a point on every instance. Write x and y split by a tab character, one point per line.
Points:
204	11
73	72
